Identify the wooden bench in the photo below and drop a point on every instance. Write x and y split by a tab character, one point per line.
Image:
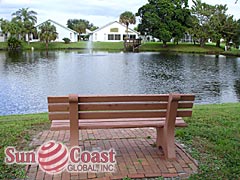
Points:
161	111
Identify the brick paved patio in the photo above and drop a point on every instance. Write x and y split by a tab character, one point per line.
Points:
137	157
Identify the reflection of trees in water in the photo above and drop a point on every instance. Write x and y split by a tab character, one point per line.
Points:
29	57
237	88
14	56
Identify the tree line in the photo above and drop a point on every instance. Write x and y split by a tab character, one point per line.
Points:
163	19
170	19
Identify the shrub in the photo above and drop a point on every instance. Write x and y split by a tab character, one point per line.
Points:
14	43
66	40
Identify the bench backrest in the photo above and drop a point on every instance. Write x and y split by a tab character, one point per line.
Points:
119	106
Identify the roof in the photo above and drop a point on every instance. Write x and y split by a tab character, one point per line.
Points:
54	22
112	23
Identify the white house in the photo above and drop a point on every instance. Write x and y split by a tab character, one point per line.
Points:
112	32
2	36
63	32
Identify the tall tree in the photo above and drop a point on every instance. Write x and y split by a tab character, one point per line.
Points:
28	19
80	27
217	22
47	33
164	19
201	27
73	22
127	18
236	38
230	30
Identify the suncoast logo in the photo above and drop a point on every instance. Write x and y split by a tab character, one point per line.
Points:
53	158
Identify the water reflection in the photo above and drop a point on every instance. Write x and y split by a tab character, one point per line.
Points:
27	78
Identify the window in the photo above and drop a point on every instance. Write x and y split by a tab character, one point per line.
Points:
132	36
114	30
124	36
117	37
70	35
113	37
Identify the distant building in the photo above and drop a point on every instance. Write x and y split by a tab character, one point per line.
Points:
3	36
112	32
63	32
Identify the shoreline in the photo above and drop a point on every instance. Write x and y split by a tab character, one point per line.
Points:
118	46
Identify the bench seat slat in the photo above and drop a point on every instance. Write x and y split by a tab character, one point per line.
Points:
116	123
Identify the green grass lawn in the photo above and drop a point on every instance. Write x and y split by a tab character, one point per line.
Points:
209	48
75	45
17	131
212	138
181	47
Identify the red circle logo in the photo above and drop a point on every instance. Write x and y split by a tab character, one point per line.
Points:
53	157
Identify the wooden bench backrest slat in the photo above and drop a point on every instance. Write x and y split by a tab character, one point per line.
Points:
58	107
184	113
121	114
64	107
58	99
124	98
185	105
122	106
58	116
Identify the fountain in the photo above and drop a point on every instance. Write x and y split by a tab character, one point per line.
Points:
89	47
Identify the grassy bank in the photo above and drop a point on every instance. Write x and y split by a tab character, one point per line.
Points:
76	45
118	46
182	47
17	131
212	138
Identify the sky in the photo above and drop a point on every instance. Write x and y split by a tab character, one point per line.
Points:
98	12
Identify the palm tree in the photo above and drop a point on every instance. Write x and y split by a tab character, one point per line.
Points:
127	18
47	33
12	28
28	18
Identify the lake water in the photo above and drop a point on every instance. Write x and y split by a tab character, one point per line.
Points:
27	78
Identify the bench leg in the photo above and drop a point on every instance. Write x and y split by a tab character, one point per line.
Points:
160	138
167	141
74	137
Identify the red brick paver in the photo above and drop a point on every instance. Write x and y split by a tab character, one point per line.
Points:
137	157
